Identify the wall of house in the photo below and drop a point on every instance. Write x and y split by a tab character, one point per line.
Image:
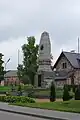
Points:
68	81
60	64
12	79
60	83
77	77
69	67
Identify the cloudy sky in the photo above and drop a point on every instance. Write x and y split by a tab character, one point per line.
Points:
22	18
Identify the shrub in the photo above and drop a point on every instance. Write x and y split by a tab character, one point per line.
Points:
7	93
28	86
52	92
71	94
2	98
15	99
77	93
19	88
66	95
73	87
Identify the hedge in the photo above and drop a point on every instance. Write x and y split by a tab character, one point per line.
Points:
15	99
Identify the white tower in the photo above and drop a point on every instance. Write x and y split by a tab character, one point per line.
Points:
44	53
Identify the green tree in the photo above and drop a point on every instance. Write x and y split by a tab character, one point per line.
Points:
2	72
25	79
30	53
52	92
66	95
20	72
77	93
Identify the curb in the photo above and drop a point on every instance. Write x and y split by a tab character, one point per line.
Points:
32	114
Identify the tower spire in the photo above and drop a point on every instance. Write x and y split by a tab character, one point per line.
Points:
78	45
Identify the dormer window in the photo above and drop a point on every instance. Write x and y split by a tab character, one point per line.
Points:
64	65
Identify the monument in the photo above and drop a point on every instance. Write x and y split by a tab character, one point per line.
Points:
44	74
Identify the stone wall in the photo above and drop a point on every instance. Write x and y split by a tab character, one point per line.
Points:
61	83
61	61
77	77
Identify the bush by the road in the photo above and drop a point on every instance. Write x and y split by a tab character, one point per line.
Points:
52	93
77	93
15	99
66	95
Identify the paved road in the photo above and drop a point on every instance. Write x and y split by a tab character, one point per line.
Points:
38	112
11	116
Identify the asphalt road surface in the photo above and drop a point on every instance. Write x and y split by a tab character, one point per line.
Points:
12	116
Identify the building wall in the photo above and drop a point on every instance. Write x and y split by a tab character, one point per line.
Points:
68	81
12	79
61	83
47	81
77	77
60	64
69	67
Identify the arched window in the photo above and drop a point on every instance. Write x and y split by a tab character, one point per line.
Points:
64	65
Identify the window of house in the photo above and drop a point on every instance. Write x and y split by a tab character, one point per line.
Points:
64	65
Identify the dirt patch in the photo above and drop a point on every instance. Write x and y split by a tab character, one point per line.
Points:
46	100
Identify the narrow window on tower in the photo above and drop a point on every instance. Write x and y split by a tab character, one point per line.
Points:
41	48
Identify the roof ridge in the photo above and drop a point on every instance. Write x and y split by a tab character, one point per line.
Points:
70	52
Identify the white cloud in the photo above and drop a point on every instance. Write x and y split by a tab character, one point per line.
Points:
10	50
20	18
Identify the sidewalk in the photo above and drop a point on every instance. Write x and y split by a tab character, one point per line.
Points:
47	114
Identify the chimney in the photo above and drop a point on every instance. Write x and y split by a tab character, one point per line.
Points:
72	51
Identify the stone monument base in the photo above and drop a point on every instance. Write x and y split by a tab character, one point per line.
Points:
43	79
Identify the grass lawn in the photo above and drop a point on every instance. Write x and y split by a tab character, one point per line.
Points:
45	92
59	93
68	106
5	88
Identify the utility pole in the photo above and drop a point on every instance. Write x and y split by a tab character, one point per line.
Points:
79	61
18	62
18	56
78	47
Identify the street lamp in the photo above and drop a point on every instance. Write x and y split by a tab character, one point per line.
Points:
5	67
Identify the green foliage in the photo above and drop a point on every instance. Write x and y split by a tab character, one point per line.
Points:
52	92
77	93
66	95
1	68
28	86
42	93
73	87
25	79
5	88
20	71
19	87
71	94
30	53
15	99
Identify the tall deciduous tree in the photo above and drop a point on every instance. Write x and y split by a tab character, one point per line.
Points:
20	71
30	53
1	68
52	92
